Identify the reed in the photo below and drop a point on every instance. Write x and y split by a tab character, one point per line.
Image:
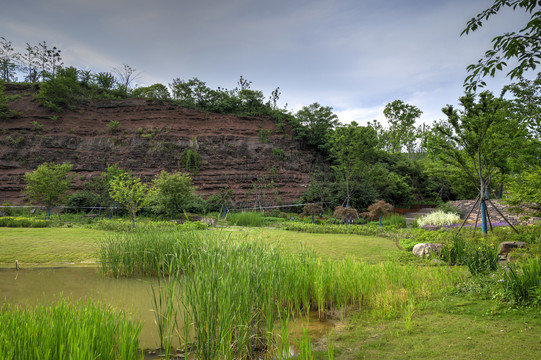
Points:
252	219
233	289
82	330
523	282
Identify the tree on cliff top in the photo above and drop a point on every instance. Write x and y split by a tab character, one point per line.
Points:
48	185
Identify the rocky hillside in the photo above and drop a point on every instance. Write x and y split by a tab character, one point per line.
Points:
147	137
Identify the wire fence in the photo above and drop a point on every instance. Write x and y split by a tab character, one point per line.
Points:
122	208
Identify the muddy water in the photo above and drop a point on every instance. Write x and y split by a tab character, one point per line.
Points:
46	285
133	295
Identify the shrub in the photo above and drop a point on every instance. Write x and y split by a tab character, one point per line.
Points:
6	209
191	160
438	218
81	201
379	208
446	207
9	221
345	213
480	256
113	126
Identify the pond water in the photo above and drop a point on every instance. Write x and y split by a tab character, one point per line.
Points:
46	285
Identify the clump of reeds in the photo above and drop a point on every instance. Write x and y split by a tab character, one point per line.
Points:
82	330
252	219
232	290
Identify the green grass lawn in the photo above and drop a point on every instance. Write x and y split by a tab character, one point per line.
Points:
49	245
448	328
53	245
334	246
454	327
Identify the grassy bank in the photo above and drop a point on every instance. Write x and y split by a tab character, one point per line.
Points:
49	245
450	327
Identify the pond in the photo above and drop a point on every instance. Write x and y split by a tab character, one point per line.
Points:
45	285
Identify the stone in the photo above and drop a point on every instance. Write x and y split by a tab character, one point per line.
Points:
507	246
426	249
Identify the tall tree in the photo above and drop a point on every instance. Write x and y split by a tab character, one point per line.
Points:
48	185
126	76
315	124
28	63
8	58
352	147
523	46
402	133
477	140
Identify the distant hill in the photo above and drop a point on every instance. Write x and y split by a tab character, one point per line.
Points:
147	136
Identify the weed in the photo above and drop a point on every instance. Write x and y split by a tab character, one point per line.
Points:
113	126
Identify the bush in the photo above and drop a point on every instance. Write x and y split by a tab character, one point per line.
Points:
438	218
9	221
79	201
6	209
447	208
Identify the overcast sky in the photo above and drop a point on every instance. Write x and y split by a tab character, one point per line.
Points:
353	55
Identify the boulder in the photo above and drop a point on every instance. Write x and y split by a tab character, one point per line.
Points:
426	249
507	246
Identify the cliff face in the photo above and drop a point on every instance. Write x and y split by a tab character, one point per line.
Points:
243	153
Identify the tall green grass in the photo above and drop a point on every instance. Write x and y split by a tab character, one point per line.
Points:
231	290
480	255
395	220
523	282
82	330
252	219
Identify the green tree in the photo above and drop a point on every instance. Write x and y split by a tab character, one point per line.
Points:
128	191
48	185
527	104
523	46
525	192
28	62
402	133
99	185
352	147
477	140
315	124
192	93
156	91
173	192
8	56
62	91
